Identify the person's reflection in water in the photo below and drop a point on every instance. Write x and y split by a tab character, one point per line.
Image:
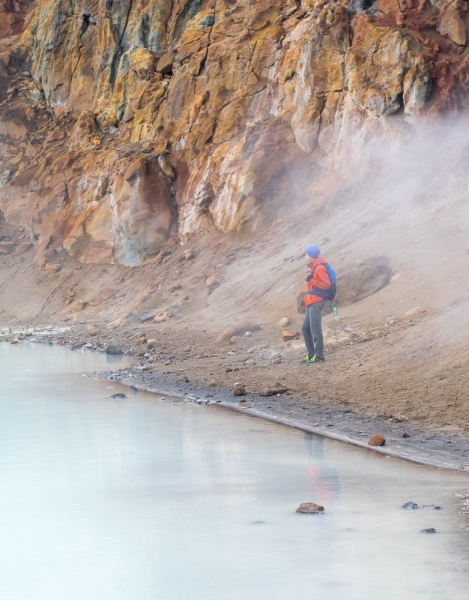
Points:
324	480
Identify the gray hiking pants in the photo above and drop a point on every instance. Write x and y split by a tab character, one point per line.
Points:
312	329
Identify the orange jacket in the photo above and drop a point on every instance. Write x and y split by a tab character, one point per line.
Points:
320	280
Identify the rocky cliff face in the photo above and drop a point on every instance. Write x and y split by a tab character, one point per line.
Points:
126	127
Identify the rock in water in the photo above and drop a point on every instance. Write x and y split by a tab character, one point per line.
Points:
118	396
377	440
432	506
429	530
113	350
239	391
310	508
133	389
410	506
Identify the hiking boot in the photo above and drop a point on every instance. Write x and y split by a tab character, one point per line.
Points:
307	360
316	359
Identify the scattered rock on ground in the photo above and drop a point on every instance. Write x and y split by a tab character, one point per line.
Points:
189	254
310	508
239	391
285	322
237	330
419	310
147	315
278	389
377	440
53	267
122	322
300	302
151	344
23	248
288	336
141	340
113	350
214	281
363	281
7	247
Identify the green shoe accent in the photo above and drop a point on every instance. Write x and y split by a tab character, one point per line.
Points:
307	360
317	359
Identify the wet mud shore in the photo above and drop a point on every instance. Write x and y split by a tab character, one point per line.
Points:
407	441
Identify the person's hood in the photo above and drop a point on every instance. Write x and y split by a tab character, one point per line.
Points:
315	262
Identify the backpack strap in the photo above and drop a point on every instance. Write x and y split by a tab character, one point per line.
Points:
324	294
313	270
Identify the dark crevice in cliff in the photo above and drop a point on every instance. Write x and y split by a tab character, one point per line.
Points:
66	194
86	22
144	30
120	48
191	10
209	40
239	98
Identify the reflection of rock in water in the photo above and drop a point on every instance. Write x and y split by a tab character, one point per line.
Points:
324	480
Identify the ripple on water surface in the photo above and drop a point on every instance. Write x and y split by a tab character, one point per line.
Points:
138	499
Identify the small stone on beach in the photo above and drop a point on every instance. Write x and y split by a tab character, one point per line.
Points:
113	350
377	440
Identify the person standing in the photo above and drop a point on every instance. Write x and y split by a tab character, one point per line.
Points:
320	288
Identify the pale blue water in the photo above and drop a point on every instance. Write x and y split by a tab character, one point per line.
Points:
141	500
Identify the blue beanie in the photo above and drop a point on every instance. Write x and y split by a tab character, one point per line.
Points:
313	251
